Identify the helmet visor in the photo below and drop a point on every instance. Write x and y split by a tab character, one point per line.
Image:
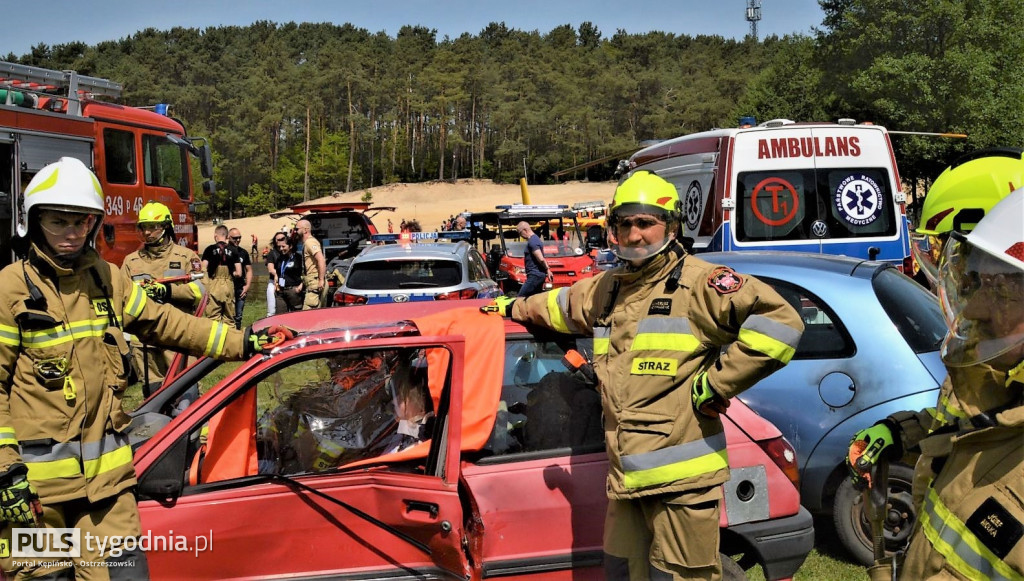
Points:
927	250
983	300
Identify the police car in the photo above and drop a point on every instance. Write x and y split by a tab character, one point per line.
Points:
414	267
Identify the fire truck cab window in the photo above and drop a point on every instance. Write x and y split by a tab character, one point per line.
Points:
166	164
119	149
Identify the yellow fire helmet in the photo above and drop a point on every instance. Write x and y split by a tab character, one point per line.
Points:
155	213
960	198
643	193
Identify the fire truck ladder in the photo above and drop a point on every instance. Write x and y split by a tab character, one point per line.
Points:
40	81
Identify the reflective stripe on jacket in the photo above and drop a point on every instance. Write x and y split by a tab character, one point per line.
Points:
655	338
62	373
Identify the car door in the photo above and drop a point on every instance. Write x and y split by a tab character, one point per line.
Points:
275	473
539	485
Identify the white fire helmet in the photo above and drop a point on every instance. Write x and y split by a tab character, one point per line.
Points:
982	288
66	185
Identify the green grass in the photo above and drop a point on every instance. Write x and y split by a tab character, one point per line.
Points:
255	308
827	562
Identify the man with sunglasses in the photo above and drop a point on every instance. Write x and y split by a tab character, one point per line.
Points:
243	282
160	258
674	338
65	456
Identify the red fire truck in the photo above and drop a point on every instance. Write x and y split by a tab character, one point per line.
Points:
140	155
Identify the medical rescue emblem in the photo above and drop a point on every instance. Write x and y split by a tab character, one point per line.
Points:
858	199
197	265
692	205
660	307
725	281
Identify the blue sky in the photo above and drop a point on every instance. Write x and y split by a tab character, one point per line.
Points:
52	22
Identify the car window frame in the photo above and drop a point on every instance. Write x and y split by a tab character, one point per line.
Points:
439	461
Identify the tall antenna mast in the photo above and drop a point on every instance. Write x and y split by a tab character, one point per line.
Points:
753	15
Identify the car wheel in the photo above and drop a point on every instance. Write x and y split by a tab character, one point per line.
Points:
853	528
731	570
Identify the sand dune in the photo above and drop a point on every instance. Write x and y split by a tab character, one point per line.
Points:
430	203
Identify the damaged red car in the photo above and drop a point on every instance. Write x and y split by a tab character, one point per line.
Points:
424	441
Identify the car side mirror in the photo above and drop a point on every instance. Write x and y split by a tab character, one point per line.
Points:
165	480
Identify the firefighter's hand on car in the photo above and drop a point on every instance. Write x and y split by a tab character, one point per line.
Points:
264	340
501	305
880	442
706	400
19	501
156	291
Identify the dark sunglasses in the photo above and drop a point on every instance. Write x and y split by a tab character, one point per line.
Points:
236	238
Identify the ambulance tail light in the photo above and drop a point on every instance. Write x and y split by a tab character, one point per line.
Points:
345	299
784	455
466	293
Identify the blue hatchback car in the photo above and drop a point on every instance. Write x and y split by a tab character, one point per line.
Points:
870	348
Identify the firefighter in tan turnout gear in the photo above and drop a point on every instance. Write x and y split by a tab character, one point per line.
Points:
160	258
63	368
222	266
659	324
971	522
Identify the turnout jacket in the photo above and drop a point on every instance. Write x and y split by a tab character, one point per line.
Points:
971	478
655	328
63	369
165	261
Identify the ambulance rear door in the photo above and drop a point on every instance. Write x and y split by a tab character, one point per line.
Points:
830	189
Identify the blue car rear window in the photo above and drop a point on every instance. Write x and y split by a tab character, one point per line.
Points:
915	311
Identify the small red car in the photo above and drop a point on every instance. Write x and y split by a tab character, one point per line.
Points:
298	464
566	249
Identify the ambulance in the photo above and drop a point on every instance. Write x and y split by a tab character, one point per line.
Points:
830	188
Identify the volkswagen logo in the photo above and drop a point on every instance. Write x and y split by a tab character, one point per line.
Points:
400	298
819	229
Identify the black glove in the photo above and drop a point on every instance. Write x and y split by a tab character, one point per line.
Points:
19	501
257	342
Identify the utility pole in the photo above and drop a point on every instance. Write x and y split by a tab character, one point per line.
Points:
753	15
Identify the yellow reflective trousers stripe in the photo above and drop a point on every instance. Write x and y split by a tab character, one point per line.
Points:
675	462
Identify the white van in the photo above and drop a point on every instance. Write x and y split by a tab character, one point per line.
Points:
831	188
